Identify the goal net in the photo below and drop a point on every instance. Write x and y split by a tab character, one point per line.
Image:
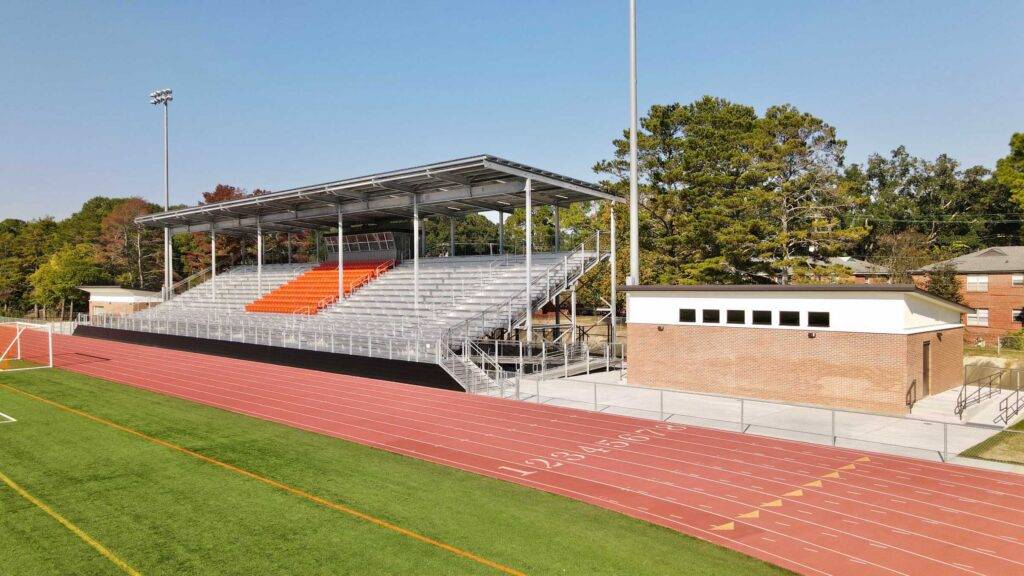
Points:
25	346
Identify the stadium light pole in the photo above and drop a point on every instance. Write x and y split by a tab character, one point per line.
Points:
634	192
157	98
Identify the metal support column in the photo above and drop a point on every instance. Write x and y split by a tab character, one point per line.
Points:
529	259
213	259
501	232
451	236
614	274
416	253
572	313
168	275
634	186
259	256
288	240
341	256
558	230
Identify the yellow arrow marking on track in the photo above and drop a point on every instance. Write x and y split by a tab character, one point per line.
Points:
726	526
848	467
863	459
831	475
814	484
772	504
754	514
794	493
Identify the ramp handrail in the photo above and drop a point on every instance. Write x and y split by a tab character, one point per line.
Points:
1009	407
967	397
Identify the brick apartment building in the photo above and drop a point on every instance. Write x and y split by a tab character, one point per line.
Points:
863	272
992	282
848	345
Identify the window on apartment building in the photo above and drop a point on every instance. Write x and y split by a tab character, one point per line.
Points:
789	318
1017	279
818	319
711	316
977	283
762	317
978	318
1017	316
736	316
688	315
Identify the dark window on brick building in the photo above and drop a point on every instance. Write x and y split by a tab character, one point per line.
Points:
736	316
712	316
762	317
818	319
789	318
687	315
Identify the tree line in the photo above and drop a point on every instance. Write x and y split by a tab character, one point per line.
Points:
727	195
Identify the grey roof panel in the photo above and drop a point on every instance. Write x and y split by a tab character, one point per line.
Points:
992	260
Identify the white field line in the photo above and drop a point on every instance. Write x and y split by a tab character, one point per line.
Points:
5	419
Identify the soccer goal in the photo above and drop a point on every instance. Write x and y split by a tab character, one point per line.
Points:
25	346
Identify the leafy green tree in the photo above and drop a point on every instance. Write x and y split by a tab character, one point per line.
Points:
54	284
795	209
474	234
1009	171
943	282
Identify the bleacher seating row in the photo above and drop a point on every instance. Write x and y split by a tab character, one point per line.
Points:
451	290
317	288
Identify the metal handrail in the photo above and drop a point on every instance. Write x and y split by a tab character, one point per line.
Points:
1009	407
966	397
911	397
509	303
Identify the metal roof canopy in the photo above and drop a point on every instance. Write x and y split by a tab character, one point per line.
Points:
475	184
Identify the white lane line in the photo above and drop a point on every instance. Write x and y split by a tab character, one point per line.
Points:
5	419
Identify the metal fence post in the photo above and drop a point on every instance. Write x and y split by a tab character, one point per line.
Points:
945	442
742	408
595	396
833	427
661	404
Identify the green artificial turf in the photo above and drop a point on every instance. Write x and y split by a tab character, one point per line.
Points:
164	512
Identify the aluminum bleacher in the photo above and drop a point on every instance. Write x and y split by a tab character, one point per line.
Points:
460	299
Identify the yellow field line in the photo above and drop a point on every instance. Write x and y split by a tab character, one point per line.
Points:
279	485
67	524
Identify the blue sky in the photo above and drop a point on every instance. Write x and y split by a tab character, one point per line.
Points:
276	95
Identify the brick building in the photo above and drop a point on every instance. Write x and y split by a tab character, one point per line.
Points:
117	300
863	272
992	282
850	346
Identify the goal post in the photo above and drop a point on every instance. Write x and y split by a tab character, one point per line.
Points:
25	346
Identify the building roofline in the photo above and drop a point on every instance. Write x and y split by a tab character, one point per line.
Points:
868	288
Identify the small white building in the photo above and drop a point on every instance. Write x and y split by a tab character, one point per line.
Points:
868	347
117	300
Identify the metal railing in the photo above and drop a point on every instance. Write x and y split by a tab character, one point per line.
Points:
984	387
1010	406
321	337
911	396
903	435
513	310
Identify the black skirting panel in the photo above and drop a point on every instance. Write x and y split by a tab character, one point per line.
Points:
418	373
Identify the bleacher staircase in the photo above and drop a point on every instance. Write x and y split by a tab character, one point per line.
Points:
476	369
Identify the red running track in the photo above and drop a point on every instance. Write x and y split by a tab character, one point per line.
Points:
813	509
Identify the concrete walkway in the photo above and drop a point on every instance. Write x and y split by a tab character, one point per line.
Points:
919	435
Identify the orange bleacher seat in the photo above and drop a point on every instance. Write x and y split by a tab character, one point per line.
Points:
316	289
